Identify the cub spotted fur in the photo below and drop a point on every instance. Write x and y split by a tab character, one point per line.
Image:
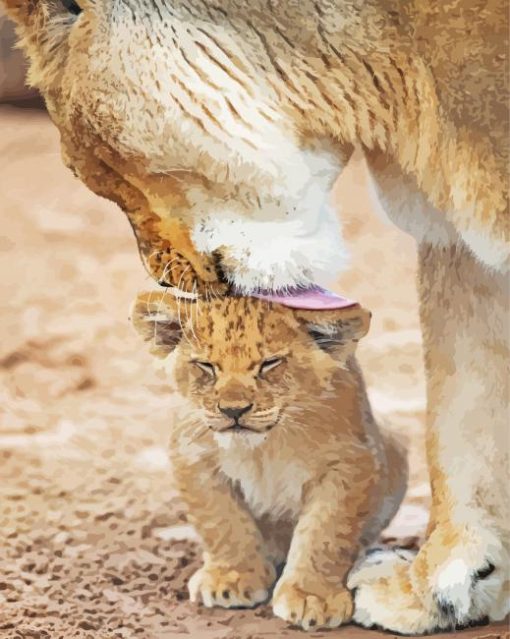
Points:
276	453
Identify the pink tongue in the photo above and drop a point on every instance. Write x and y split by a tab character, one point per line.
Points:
312	299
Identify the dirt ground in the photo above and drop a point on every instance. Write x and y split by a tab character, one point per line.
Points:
93	543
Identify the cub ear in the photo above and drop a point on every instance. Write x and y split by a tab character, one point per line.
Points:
155	316
335	329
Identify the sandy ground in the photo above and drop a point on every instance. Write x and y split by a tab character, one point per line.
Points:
93	543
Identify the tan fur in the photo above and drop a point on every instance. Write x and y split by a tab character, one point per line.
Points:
311	481
235	118
396	78
468	531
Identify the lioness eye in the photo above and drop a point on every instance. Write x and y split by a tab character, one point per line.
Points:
72	6
269	364
207	367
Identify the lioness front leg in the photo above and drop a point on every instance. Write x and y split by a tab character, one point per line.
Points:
461	574
236	571
312	590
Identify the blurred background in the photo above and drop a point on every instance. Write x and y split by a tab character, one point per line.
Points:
92	540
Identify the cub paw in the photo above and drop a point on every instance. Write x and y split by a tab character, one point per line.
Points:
229	587
309	610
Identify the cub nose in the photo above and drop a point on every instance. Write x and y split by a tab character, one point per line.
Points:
234	412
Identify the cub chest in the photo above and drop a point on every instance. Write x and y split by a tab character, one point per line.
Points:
269	486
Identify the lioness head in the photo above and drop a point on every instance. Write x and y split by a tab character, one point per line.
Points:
248	364
172	110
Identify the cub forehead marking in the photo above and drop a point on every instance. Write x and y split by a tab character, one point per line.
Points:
243	328
238	318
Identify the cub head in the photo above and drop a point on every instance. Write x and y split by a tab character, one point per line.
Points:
247	364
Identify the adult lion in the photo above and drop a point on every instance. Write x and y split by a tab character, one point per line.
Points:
219	127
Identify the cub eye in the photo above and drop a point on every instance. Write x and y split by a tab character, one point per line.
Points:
206	367
72	6
268	364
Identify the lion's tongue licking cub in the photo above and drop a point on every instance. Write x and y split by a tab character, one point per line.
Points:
315	298
275	452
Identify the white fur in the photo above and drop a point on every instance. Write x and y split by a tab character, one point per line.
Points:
453	584
292	239
268	486
493	253
277	254
455	581
247	440
398	199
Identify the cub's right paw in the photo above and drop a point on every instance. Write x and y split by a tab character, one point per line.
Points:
231	587
311	610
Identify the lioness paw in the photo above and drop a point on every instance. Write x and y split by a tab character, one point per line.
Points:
231	587
458	587
384	595
414	595
311	611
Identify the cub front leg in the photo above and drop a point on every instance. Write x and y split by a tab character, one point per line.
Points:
236	571
312	590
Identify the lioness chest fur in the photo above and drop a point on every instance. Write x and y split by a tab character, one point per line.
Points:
237	118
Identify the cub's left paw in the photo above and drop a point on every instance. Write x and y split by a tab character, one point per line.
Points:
309	610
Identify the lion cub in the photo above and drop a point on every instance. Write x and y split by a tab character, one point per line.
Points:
276	453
